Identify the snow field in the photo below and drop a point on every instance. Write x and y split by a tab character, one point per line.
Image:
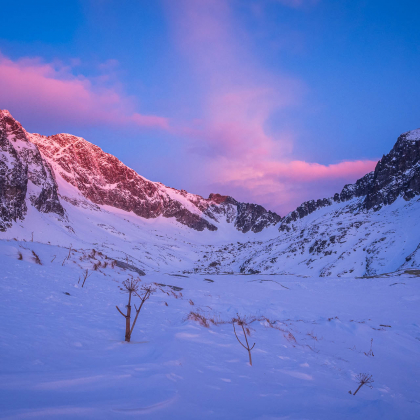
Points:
62	354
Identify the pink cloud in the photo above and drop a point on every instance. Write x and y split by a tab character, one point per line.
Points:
239	96
240	155
51	89
282	186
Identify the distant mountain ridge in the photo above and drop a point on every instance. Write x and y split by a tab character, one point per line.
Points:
66	191
371	227
105	180
397	174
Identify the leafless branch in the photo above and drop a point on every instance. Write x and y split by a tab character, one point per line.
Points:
119	310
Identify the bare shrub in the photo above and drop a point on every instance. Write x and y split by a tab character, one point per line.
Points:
370	352
96	266
132	287
36	258
364	379
290	337
20	256
84	276
191	302
67	257
200	318
242	322
312	335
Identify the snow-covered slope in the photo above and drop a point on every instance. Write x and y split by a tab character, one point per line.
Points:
64	190
63	355
338	240
371	227
63	219
103	179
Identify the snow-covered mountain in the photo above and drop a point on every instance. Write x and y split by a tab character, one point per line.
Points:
103	179
24	174
64	190
371	227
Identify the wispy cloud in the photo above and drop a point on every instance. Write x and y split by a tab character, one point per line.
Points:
51	89
232	147
240	154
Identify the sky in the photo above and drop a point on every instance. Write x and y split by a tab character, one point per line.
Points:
273	102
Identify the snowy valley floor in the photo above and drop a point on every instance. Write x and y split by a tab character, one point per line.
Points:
62	354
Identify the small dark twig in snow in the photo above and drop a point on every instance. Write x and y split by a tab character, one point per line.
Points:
364	379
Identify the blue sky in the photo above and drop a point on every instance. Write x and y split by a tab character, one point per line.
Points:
270	101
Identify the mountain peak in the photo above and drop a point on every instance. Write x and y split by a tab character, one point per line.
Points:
413	135
103	179
5	113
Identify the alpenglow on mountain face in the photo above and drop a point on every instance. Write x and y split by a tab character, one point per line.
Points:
64	190
104	180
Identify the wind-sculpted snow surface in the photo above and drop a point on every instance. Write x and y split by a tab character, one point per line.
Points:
24	174
63	354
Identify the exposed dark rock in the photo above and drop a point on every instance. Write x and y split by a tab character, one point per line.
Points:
303	210
13	183
104	180
254	217
130	267
23	174
397	174
246	217
360	188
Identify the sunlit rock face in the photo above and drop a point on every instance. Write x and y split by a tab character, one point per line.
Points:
24	175
104	180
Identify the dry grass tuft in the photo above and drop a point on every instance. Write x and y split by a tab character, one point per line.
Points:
36	258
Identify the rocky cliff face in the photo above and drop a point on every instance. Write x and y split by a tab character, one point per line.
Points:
245	216
24	174
397	174
360	231
103	179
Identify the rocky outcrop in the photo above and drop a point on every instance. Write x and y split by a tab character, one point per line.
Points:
303	210
245	216
23	174
397	174
254	217
359	189
13	182
105	180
